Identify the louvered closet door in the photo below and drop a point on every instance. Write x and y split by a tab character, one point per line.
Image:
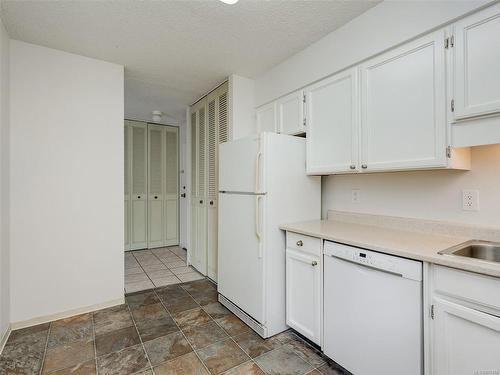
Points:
139	210
171	201
201	261
156	177
212	188
193	248
126	179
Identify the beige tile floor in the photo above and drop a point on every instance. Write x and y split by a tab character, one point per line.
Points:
147	269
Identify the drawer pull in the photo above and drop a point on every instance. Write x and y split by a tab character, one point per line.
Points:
300	243
314	263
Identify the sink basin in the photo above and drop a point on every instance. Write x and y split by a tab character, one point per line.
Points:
475	249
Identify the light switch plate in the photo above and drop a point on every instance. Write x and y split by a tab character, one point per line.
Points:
470	200
356	195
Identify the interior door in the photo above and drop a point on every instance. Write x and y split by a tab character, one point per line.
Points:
201	225
139	234
457	332
333	126
477	55
156	177
240	261
212	187
126	179
403	110
171	200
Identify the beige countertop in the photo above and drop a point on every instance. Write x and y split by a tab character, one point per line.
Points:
404	243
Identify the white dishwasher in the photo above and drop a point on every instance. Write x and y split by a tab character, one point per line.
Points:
372	311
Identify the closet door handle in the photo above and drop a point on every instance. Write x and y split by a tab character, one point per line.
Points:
201	202
211	203
156	197
138	197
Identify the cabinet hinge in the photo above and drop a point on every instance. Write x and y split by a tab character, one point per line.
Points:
304	122
448	152
432	311
452	105
303	98
452	41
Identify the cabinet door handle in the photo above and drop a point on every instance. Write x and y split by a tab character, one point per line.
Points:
352	166
314	263
364	166
300	243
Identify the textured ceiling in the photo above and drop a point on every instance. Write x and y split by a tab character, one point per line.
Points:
174	51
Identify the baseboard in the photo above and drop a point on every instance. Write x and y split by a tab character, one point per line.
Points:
65	314
4	338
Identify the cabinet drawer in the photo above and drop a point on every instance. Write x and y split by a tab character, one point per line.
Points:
304	243
469	286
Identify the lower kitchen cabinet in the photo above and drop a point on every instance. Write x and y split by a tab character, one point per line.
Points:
303	293
465	323
466	341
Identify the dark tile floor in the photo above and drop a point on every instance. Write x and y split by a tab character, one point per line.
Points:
174	330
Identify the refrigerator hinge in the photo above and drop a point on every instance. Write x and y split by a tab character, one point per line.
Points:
432	311
452	105
448	152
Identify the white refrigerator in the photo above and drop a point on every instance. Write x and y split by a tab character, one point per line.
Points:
262	184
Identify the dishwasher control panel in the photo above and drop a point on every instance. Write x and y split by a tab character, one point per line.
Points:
407	268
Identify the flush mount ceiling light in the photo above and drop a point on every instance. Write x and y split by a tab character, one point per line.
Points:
157	116
230	2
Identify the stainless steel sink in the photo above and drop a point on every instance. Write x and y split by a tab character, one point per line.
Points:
476	249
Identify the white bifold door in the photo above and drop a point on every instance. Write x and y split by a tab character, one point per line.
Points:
151	185
209	128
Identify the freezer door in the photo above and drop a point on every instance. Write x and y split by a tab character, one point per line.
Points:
240	261
240	166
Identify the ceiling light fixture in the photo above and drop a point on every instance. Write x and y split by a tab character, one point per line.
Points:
157	116
230	2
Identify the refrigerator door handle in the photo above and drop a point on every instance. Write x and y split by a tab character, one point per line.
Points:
257	171
258	232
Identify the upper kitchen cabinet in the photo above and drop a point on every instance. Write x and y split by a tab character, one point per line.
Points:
475	45
291	114
267	120
332	121
403	110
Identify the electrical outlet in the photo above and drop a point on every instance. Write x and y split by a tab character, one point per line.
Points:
470	200
356	195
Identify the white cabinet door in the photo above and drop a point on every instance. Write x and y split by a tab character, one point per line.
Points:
139	208
476	50
291	113
303	294
212	186
266	118
171	196
403	112
156	176
465	342
333	127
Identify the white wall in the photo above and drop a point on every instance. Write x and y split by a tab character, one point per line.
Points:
382	27
241	106
435	195
66	182
4	184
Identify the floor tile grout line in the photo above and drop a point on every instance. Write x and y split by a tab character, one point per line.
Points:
140	265
95	344
140	339
45	349
185	338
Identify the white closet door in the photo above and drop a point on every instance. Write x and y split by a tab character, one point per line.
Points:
156	176
193	248
171	201
212	189
201	261
223	124
403	112
139	238
127	180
